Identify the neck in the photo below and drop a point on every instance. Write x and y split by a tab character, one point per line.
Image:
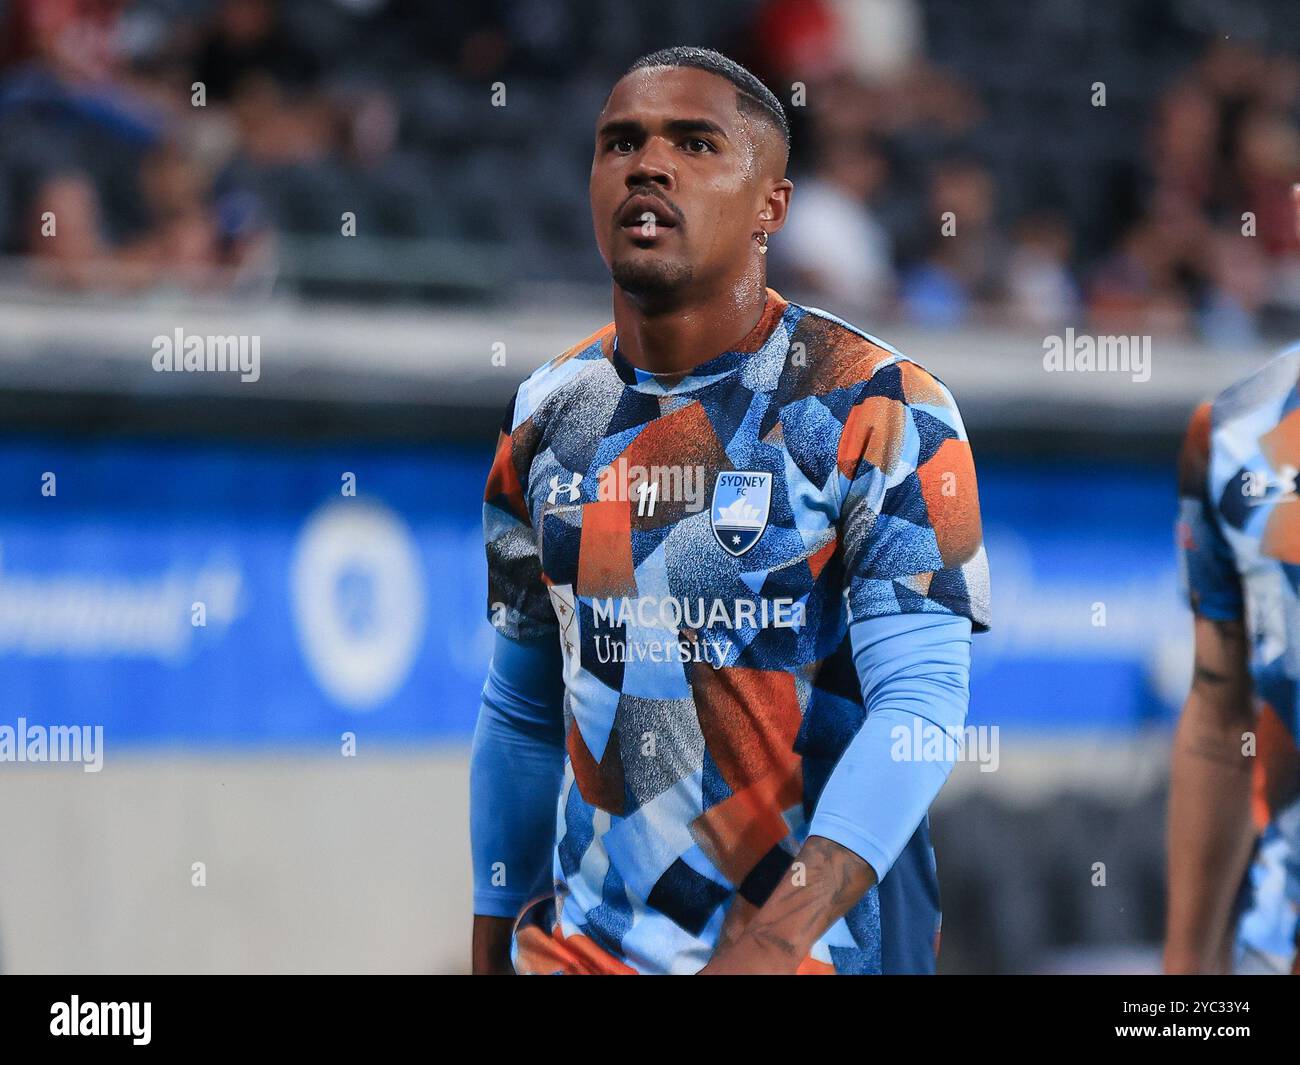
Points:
677	338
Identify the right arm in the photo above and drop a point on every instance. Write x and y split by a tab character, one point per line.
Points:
517	760
1210	829
516	766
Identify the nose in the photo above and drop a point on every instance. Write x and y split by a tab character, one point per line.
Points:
653	165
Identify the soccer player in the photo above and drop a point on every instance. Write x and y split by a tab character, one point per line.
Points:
734	563
1234	806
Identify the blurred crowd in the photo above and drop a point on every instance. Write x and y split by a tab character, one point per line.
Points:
1124	166
1073	186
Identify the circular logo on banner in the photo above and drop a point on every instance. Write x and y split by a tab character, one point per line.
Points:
358	601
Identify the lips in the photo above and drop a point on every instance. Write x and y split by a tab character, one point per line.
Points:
633	214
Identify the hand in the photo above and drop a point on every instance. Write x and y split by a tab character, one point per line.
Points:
746	961
776	938
491	946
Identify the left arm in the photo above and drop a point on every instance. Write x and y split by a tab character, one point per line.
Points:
916	586
914	672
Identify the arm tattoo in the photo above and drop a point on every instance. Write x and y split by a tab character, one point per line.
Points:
796	915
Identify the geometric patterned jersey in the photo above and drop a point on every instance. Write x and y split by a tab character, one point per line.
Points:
699	543
1239	547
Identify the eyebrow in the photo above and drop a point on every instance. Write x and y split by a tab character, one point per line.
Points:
675	125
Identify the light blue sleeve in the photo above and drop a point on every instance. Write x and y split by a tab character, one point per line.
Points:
516	766
914	670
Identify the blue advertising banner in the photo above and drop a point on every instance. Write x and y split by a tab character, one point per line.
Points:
202	593
1089	628
199	593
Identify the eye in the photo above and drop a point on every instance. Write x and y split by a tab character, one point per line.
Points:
618	144
698	146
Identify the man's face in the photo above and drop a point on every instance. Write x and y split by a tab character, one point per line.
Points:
676	182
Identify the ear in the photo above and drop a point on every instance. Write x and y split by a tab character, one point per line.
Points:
776	206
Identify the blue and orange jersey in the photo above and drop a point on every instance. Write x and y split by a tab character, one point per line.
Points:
1239	545
699	544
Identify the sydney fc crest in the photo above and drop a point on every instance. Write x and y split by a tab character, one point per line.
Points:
741	502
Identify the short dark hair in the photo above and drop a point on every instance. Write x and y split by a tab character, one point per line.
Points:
755	97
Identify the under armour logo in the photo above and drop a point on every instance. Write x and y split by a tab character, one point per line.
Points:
570	490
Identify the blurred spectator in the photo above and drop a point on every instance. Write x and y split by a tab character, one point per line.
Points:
248	40
1041	291
186	241
1238	289
966	262
797	40
1267	164
832	248
808	40
71	39
60	62
1136	289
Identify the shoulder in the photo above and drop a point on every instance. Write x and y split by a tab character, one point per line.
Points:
523	425
1244	409
1271	384
837	355
553	377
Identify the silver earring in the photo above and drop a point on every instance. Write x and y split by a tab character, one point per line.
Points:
762	243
